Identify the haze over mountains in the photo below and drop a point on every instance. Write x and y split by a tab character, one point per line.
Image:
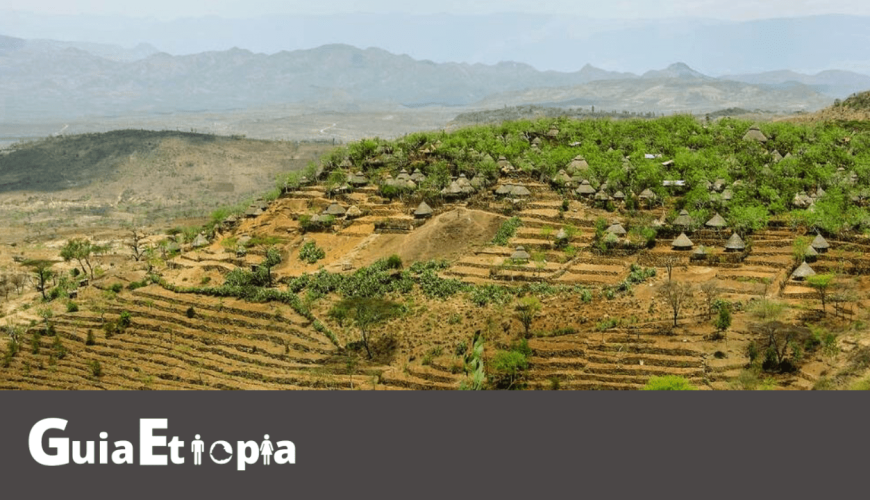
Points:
47	80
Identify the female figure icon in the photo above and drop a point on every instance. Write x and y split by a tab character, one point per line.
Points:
266	449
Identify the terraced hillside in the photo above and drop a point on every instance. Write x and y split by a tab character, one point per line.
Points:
485	274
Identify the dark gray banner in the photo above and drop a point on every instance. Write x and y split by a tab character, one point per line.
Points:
434	445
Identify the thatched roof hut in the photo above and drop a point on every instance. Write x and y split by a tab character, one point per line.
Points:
727	195
803	272
777	157
561	235
682	242
617	229
811	254
553	132
418	176
700	252
520	191
602	196
717	222
335	210
504	189
735	244
562	177
520	254
403	176
585	189
684	219
200	241
453	190
619	196
346	163
358	179
647	194
479	182
719	185
755	134
353	212
820	244
423	211
577	165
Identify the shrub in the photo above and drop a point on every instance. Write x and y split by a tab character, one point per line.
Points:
72	307
116	287
90	340
668	383
191	312
311	253
96	368
394	262
124	320
34	342
135	285
506	231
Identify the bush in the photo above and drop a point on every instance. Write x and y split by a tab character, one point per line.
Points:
124	320
191	313
668	383
96	368
116	287
506	231
394	262
135	285
72	307
311	253
90	339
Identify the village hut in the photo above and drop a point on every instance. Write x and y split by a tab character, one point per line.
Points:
403	176
682	243
755	134
423	211
418	176
335	210
358	179
647	194
684	220
520	192
700	252
562	235
777	157
585	189
353	212
727	195
465	184
810	254
602	196
536	141
803	272
253	211
719	185
520	254
820	244
717	222
346	163
504	190
735	244
617	229
454	190
553	132
478	183
577	165
619	196
230	221
562	177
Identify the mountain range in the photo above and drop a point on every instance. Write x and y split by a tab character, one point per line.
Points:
48	80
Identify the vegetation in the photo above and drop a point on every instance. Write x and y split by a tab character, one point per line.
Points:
311	253
669	383
507	231
508	367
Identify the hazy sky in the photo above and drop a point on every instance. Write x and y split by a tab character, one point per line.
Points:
719	9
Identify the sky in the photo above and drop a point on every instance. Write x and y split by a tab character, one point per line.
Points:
738	10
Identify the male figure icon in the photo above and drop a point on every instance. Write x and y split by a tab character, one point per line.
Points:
266	449
198	447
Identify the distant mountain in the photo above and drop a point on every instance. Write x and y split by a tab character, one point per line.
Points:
677	70
46	80
835	83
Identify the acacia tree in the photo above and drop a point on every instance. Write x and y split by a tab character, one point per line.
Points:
711	291
43	272
135	244
526	310
822	283
675	294
81	250
366	313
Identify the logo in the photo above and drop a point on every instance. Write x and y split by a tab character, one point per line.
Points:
62	450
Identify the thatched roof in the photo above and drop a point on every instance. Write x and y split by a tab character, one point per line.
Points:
727	195
579	164
504	189
700	251
200	241
803	272
811	252
554	132
423	210
536	141
358	179
585	189
418	176
647	194
232	219
820	243
562	235
562	177
719	185
684	219
520	191
735	243
602	196
619	195
346	163
479	182
353	211
335	210
682	242
403	176
454	189
717	221
755	134
617	229
777	157
520	254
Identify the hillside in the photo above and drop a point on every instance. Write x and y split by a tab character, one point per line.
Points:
350	282
856	108
135	174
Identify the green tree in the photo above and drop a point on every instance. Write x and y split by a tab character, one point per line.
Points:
822	284
367	312
81	250
42	270
526	310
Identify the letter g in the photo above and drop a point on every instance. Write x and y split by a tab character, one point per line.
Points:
60	444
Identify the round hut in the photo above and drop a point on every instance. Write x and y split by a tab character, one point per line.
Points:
717	222
520	254
682	243
353	212
423	211
735	244
418	176
755	134
585	189
820	244
617	229
521	192
335	210
684	220
803	272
